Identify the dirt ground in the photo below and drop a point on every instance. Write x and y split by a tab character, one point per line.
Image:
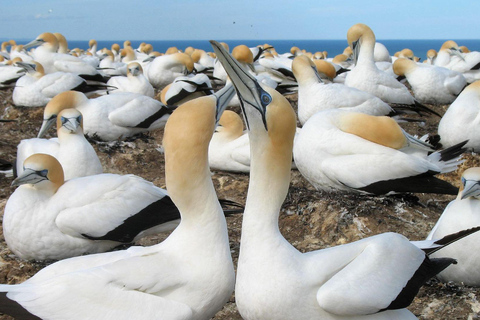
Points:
310	220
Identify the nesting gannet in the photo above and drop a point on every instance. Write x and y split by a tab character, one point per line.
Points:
430	84
185	88
111	117
462	119
36	89
314	95
135	81
380	53
367	77
342	150
109	66
431	56
450	56
374	278
71	149
164	69
9	74
188	276
462	213
52	61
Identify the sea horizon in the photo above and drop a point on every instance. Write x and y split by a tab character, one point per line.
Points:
333	47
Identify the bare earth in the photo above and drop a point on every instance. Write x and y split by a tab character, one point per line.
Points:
310	220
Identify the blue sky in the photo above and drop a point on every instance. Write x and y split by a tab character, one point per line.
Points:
250	19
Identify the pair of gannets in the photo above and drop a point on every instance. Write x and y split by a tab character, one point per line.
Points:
451	56
135	81
190	275
111	117
36	89
367	77
374	278
342	150
75	154
314	95
430	84
462	119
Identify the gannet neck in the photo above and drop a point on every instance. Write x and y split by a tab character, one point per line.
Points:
271	158
366	40
305	71
187	135
231	125
403	66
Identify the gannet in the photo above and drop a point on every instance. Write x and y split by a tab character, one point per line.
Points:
111	117
367	77
374	278
36	89
314	95
52	61
10	73
71	148
62	43
188	276
355	152
430	84
380	53
431	56
135	81
185	88
450	56
462	119
219	74
462	213
164	69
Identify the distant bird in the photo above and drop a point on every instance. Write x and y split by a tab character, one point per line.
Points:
116	116
10	73
185	88
450	56
135	81
164	69
430	84
36	89
462	213
71	148
342	150
374	278
462	119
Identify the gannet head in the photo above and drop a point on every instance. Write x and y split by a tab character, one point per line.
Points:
115	47
34	68
64	100
470	183
62	42
41	170
358	35
304	69
172	50
407	54
69	121
325	69
46	39
431	54
134	69
92	43
452	48
127	44
230	125
403	66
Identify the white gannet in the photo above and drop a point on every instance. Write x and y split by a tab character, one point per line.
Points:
62	43
135	81
109	66
52	61
462	213
450	56
188	276
111	117
71	148
342	150
380	53
314	95
164	69
430	84
10	73
374	278
185	88
367	77
36	89
462	119
431	56
229	149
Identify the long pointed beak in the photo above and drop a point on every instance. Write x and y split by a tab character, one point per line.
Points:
247	87
46	124
472	189
457	52
356	51
71	125
33	43
29	176
223	98
26	66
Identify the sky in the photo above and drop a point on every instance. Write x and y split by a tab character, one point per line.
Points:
248	19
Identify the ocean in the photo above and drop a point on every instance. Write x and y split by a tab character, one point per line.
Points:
333	47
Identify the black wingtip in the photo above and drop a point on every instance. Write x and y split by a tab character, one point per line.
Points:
231	207
14	309
453	151
451	238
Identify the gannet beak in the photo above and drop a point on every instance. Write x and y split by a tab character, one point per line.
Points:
33	43
457	52
223	98
247	87
26	66
46	124
472	189
356	49
30	176
71	124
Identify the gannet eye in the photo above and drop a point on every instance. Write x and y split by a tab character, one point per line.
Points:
463	180
64	120
79	119
266	98
44	173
